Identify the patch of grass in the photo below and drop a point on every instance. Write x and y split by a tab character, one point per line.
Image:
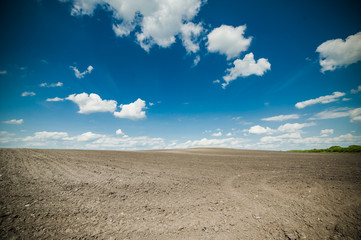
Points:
334	149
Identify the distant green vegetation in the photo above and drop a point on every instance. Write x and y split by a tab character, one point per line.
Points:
335	149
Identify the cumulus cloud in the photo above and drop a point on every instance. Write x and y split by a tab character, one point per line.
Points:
205	142
14	121
285	128
85	137
25	94
58	84
190	33
281	138
338	53
217	134
79	74
357	90
228	40
56	99
44	135
296	141
281	118
133	111
246	67
294	127
326	132
92	103
87	140
153	21
260	130
196	60
323	99
119	132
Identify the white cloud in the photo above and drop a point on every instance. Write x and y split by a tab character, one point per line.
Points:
288	128
3	72
119	132
217	134
281	138
6	137
225	142
154	21
260	130
46	136
229	134
338	53
246	67
294	127
323	99
25	94
133	111
58	84
92	103
196	60
326	132
346	99
333	113
190	33
80	75
87	140
85	137
281	118
357	90
56	99
228	40
14	121
354	114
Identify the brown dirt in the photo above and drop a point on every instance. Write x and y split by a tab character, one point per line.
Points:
179	194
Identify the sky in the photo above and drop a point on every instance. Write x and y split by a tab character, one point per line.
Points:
164	74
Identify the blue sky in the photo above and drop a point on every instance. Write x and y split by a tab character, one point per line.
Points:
121	74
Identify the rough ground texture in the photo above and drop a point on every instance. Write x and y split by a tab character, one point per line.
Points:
183	194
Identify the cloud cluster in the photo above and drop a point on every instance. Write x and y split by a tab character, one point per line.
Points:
285	128
230	41
323	99
160	22
79	74
93	103
155	22
338	53
89	140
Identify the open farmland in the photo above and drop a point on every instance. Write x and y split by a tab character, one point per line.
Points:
205	193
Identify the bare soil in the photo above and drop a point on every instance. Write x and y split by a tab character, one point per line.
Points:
205	193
